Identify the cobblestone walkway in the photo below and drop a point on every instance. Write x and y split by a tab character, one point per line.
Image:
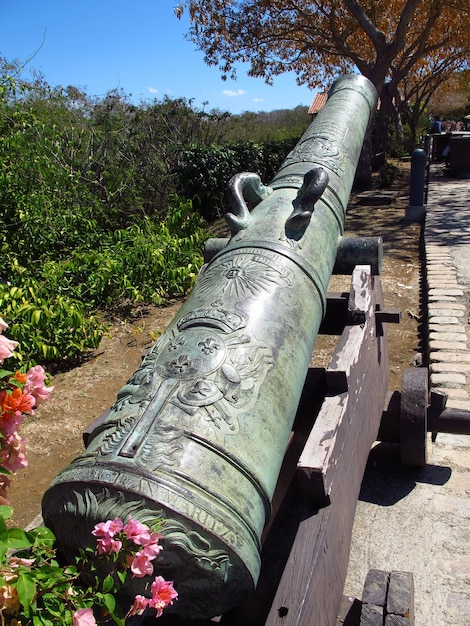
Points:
447	243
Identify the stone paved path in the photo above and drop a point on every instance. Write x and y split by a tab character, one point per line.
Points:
447	251
418	520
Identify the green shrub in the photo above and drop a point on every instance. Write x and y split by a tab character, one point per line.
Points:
49	327
206	171
387	174
51	306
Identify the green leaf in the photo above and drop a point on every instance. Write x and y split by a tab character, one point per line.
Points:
26	589
109	602
18	539
6	511
36	316
122	575
108	583
3	538
43	535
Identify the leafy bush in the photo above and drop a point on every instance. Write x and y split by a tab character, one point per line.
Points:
49	304
206	170
387	174
88	211
49	326
204	175
147	262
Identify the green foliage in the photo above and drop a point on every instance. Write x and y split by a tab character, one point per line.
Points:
49	326
267	127
387	174
206	170
204	175
89	211
48	306
37	589
148	261
42	590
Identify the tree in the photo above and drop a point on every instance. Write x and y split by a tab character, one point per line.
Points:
453	96
437	88
320	39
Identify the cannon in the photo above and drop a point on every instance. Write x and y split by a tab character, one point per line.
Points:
198	435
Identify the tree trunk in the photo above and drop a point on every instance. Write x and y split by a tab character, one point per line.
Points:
363	178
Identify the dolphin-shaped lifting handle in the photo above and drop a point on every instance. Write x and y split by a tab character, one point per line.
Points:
244	185
315	183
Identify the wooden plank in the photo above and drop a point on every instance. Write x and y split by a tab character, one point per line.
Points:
320	453
388	599
372	615
376	587
400	599
360	294
356	351
413	417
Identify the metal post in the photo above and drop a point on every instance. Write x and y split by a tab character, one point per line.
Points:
416	210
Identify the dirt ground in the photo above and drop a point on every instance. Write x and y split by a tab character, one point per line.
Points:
54	434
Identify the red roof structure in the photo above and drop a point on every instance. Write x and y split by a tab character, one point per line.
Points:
318	103
320	100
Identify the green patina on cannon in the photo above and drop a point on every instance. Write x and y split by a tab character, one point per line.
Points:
198	434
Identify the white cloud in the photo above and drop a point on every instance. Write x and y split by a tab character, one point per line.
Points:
258	100
153	90
231	94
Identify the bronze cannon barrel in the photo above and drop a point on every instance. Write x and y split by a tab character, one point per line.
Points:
198	433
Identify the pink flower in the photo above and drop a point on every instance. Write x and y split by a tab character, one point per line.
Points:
108	529
7	347
137	532
83	617
35	378
4	485
3	325
105	531
153	546
10	423
163	594
15	561
141	535
141	564
13	453
139	606
107	545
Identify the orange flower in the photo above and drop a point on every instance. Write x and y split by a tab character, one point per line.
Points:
20	377
17	401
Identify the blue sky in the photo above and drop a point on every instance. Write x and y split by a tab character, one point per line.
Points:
137	46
